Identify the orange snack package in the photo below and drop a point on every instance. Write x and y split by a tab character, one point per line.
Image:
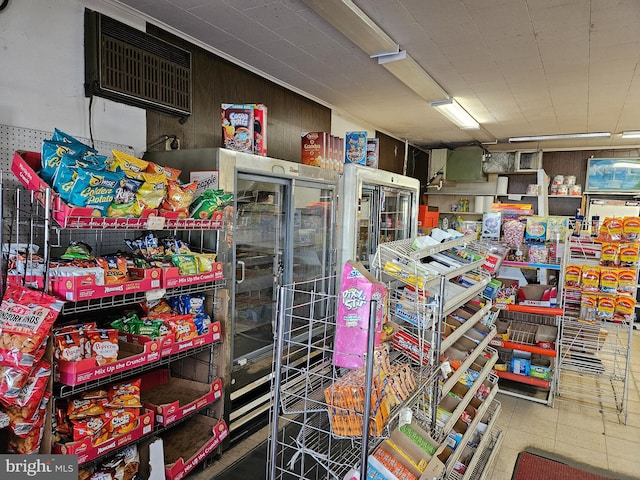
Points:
103	345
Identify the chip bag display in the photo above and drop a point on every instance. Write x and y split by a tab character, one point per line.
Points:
26	318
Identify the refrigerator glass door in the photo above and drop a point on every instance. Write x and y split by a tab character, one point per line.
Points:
260	240
395	221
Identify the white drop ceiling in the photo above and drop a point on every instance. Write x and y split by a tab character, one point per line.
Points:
520	67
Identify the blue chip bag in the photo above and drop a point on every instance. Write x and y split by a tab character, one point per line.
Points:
126	193
52	153
202	323
176	304
193	304
66	176
95	189
60	136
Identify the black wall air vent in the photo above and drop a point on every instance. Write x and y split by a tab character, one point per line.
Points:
133	67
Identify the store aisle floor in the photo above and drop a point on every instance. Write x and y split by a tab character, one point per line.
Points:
583	434
571	430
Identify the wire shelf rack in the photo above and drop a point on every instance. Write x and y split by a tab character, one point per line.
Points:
594	364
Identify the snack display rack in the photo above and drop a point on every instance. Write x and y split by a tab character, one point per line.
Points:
303	441
594	353
38	217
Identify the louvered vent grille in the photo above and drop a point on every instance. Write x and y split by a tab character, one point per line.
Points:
136	68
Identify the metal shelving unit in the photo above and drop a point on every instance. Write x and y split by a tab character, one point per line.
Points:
594	353
303	442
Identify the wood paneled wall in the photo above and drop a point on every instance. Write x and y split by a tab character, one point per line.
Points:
217	81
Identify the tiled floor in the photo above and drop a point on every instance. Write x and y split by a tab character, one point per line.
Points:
583	434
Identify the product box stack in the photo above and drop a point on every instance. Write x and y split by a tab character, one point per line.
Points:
321	149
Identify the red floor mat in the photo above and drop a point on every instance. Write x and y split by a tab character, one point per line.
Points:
534	467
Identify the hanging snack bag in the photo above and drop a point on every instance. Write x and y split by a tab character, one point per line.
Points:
32	391
21	426
625	308
152	191
572	275
609	255
629	254
609	280
611	230
179	197
606	307
26	318
627	280
103	345
588	306
95	189
590	279
631	229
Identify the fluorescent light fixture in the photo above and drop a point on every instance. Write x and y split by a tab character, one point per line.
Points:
562	136
631	134
454	112
346	17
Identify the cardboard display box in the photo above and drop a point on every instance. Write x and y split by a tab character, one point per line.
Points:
130	355
539	295
174	398
188	444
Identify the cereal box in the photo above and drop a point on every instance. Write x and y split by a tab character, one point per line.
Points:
238	127
358	289
315	148
356	148
373	152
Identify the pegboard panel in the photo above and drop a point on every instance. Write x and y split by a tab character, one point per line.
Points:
17	138
17	207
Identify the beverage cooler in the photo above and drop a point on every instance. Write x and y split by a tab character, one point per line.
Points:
375	207
280	230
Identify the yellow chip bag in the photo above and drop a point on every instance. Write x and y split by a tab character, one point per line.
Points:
205	262
152	192
127	163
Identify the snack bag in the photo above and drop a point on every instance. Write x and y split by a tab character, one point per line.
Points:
103	345
625	308
21	426
32	391
186	264
629	254
609	255
205	262
26	318
609	280
81	408
631	229
95	189
152	191
627	280
115	269
52	152
590	279
606	307
172	174
179	197
185	329
69	345
124	395
122	420
127	163
89	427
572	275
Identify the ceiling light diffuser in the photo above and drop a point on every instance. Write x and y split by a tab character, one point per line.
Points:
454	112
631	134
563	136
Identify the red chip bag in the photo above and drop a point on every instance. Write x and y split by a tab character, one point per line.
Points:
125	395
122	420
11	380
81	408
184	328
21	426
69	345
26	318
89	427
102	345
31	442
32	391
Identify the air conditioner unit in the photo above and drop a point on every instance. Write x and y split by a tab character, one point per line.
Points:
130	66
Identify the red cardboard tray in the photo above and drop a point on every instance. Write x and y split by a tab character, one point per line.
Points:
74	289
33	281
134	352
87	452
24	166
188	444
174	398
171	347
171	278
